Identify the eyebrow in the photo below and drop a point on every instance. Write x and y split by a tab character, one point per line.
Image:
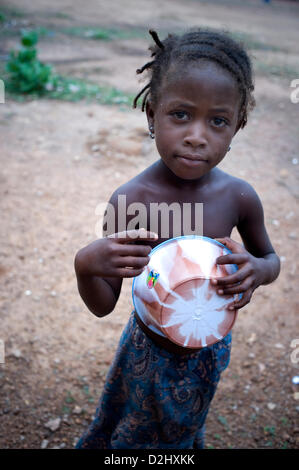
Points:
189	105
180	103
222	110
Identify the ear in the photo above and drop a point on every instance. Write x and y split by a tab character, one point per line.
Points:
150	113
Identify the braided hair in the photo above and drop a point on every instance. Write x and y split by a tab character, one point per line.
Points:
196	45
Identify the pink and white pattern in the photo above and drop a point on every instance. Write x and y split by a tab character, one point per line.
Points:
183	305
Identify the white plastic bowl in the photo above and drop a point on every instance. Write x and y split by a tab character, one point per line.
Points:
174	297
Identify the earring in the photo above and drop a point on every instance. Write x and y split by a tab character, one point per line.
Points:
229	148
151	132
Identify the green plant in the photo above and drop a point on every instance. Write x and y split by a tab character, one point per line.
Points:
26	74
284	421
27	78
89	33
270	430
75	89
223	421
104	34
69	398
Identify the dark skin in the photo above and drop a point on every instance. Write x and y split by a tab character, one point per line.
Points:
194	120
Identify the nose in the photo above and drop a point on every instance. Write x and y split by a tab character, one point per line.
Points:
196	135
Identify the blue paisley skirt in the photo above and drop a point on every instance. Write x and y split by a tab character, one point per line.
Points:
154	399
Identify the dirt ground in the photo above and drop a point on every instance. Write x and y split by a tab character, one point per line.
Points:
60	160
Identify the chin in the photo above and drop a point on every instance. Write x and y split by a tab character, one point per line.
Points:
188	176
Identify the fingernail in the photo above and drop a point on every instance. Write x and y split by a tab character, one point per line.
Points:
220	291
231	308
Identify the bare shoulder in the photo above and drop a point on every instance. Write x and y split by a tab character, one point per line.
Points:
242	192
250	220
234	183
249	201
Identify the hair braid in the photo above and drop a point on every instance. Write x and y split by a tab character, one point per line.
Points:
195	45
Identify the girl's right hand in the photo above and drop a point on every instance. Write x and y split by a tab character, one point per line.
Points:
116	255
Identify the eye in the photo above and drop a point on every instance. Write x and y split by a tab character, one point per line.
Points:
180	115
219	122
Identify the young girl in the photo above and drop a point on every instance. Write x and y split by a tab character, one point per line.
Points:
157	394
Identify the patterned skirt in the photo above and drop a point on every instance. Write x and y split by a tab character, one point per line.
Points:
154	399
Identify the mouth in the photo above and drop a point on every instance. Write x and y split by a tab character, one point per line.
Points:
191	160
194	157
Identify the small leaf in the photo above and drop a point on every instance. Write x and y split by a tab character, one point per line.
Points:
29	38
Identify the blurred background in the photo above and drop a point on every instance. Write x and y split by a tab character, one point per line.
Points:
69	138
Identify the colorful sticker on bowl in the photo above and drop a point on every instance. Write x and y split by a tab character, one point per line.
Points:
152	278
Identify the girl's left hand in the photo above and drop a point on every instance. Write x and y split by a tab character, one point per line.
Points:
245	280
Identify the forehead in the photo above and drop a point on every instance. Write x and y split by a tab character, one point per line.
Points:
205	81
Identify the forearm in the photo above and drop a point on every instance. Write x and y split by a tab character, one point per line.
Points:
97	294
269	268
95	291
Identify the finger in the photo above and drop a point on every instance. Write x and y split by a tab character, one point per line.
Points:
133	250
132	235
234	258
128	272
221	287
235	289
243	301
235	278
235	247
133	262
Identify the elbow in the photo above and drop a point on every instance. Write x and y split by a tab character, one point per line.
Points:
278	268
79	263
275	266
95	304
101	310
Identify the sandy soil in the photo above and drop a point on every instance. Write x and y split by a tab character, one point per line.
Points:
52	180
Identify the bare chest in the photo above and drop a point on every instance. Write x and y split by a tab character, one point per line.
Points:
211	215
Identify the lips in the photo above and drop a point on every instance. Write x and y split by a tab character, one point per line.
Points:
190	159
193	157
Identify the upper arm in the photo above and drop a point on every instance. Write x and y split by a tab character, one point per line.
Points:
110	225
116	219
251	225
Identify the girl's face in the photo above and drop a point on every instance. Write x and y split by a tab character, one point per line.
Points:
194	119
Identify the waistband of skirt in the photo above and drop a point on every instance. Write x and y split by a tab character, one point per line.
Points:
162	341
